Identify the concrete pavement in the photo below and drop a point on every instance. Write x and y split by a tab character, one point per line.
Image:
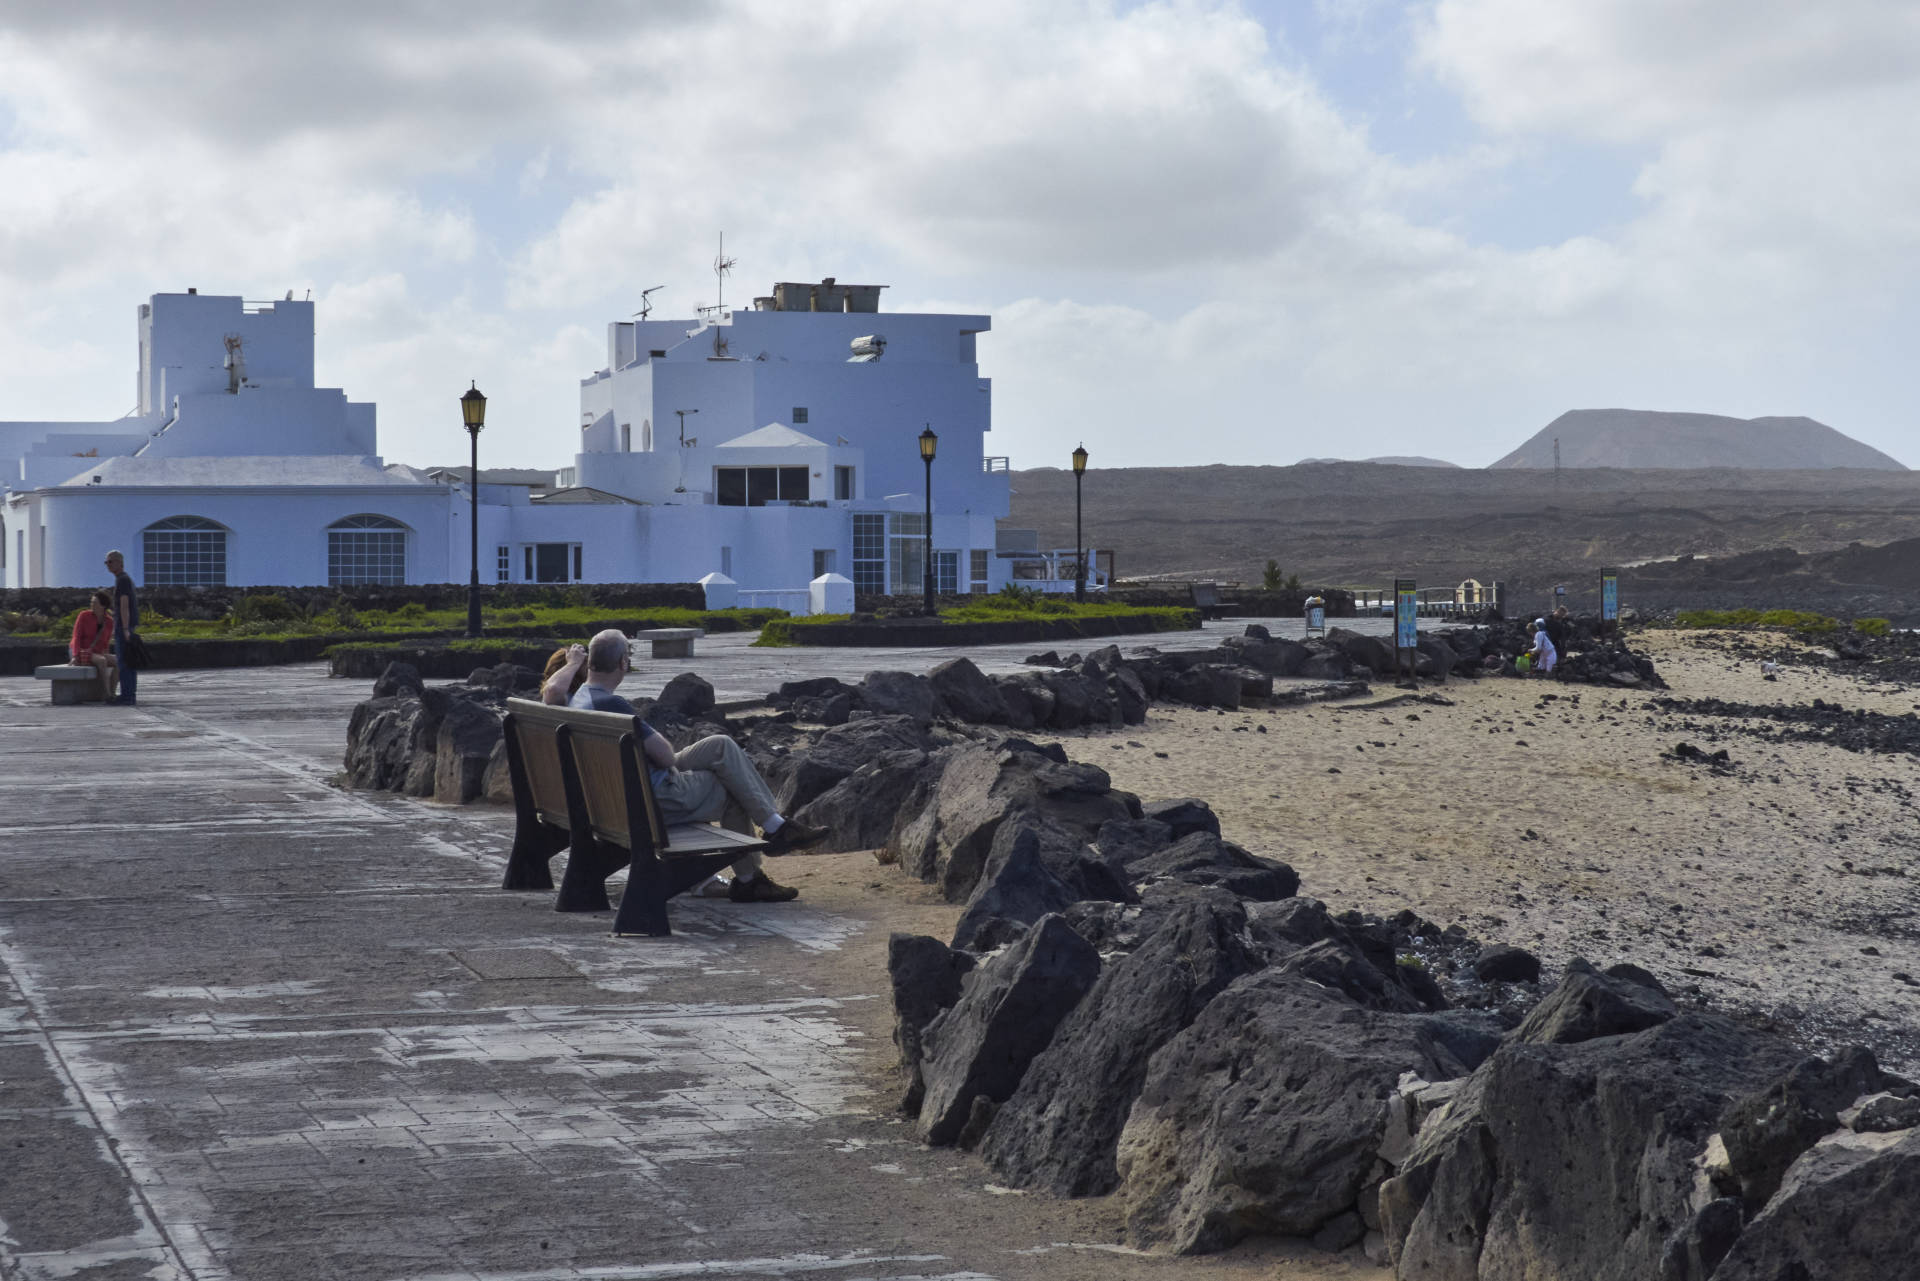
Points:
255	1027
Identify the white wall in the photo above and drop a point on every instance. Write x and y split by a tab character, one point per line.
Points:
267	420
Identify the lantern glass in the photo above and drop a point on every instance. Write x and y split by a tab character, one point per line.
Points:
928	441
473	409
1079	460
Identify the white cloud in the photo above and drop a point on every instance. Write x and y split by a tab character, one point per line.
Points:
1168	218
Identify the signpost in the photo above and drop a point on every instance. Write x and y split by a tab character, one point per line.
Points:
1609	595
1406	622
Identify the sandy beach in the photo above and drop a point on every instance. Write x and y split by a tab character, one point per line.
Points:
1553	816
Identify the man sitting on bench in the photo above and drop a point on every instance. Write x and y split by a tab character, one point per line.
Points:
712	780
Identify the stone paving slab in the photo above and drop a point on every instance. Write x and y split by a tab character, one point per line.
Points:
253	1027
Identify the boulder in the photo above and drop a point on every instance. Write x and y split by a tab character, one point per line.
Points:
399	678
1287	925
1342	967
496	785
1265	654
813	687
1123	841
1371	652
1185	815
423	742
946	827
926	976
689	693
1767	1131
1588	1004
1325	666
1437	657
1029	701
469	733
1060	1128
831	709
900	694
1845	1212
1572	1159
1499	963
1006	1015
1264	1116
1205	859
967	694
1073	699
1033	868
861	809
1203	685
379	738
811	768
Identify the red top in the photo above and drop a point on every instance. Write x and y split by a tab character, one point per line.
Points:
90	636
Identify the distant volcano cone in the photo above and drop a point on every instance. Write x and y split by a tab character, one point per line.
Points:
1656	439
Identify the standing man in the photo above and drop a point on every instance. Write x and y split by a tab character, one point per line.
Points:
126	618
711	781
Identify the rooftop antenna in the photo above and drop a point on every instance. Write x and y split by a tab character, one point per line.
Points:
721	266
646	307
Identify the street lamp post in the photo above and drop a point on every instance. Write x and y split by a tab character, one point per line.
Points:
473	411
1079	542
928	442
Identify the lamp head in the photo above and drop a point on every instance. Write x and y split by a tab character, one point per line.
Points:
928	442
473	409
1080	460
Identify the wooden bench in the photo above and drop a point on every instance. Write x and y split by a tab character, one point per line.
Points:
71	684
1206	599
581	782
671	642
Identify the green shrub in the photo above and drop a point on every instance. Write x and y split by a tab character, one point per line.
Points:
268	607
1792	620
1872	626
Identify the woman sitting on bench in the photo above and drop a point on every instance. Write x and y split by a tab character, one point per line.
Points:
92	643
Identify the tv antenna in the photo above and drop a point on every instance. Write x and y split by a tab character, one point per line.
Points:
721	266
646	307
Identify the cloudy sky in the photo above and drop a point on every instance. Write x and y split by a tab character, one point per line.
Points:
1237	232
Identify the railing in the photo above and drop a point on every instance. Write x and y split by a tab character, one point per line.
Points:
993	463
795	600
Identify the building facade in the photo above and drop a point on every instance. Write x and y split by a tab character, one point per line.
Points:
769	445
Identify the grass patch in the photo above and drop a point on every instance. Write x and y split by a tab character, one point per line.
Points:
1791	620
781	632
1872	626
271	617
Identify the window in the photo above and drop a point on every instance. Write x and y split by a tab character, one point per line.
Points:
799	415
646	435
3	543
726	561
366	549
503	564
758	486
870	553
577	575
907	551
946	571
626	438
843	483
185	551
978	559
823	558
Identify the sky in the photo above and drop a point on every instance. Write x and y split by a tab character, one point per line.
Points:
1207	231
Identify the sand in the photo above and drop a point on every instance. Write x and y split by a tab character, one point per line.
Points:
1547	815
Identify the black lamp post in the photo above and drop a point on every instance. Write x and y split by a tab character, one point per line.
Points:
473	411
1079	542
928	442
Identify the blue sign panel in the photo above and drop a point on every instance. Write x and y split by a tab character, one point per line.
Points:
1609	597
1406	616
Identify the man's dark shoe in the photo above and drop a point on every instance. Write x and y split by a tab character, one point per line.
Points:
794	836
761	889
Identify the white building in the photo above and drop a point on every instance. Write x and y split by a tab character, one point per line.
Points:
769	445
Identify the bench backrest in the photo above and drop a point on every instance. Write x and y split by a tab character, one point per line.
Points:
589	760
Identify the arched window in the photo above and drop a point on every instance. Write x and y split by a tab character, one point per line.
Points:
184	551
366	549
646	435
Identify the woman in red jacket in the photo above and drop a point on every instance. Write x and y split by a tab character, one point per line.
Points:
92	641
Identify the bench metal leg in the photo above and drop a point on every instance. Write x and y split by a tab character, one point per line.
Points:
652	881
534	843
583	887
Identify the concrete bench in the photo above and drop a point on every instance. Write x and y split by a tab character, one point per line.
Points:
671	642
72	684
1207	599
581	783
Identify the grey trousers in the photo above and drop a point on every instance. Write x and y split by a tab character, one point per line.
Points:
713	781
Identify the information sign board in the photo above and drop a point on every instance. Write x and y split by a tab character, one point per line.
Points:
1406	614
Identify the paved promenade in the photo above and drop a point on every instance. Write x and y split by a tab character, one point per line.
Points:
255	1027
